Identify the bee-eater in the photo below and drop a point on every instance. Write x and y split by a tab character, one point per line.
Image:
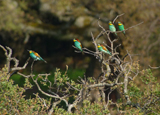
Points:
121	27
35	56
112	28
102	48
77	43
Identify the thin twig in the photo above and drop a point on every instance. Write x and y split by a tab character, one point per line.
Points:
117	17
154	67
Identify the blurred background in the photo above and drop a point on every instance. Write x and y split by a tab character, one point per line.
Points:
49	26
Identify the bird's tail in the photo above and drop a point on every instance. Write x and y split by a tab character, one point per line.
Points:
45	61
115	34
126	36
109	53
83	52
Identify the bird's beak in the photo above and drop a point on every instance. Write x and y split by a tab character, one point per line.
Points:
28	50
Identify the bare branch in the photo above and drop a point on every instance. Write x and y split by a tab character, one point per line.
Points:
154	67
101	26
72	86
19	68
130	27
49	95
94	42
26	76
108	97
41	99
53	106
153	44
117	17
6	53
103	84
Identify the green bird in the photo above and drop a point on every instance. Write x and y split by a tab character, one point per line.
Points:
102	48
112	28
77	43
35	56
121	27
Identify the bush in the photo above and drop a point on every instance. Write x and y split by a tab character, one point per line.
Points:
88	95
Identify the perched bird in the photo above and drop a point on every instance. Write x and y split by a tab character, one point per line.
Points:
121	27
112	28
77	43
36	56
102	48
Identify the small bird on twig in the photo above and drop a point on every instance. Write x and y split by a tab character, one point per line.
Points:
121	27
112	28
102	48
35	56
77	44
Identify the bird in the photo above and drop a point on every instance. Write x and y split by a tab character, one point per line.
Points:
121	27
36	56
102	48
112	28
77	44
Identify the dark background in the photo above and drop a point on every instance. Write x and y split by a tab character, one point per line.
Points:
49	26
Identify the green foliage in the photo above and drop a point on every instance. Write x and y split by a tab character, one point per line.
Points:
146	95
88	108
93	109
12	100
18	79
23	20
60	79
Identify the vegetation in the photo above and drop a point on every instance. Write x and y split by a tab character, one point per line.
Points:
55	23
89	95
94	83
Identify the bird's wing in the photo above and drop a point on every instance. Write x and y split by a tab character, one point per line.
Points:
36	54
122	25
78	40
81	45
114	26
104	47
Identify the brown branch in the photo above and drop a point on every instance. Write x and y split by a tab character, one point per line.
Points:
130	27
154	67
26	76
19	68
78	99
41	99
103	84
153	44
8	56
53	106
72	86
125	89
94	42
108	98
47	94
126	81
8	53
117	17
